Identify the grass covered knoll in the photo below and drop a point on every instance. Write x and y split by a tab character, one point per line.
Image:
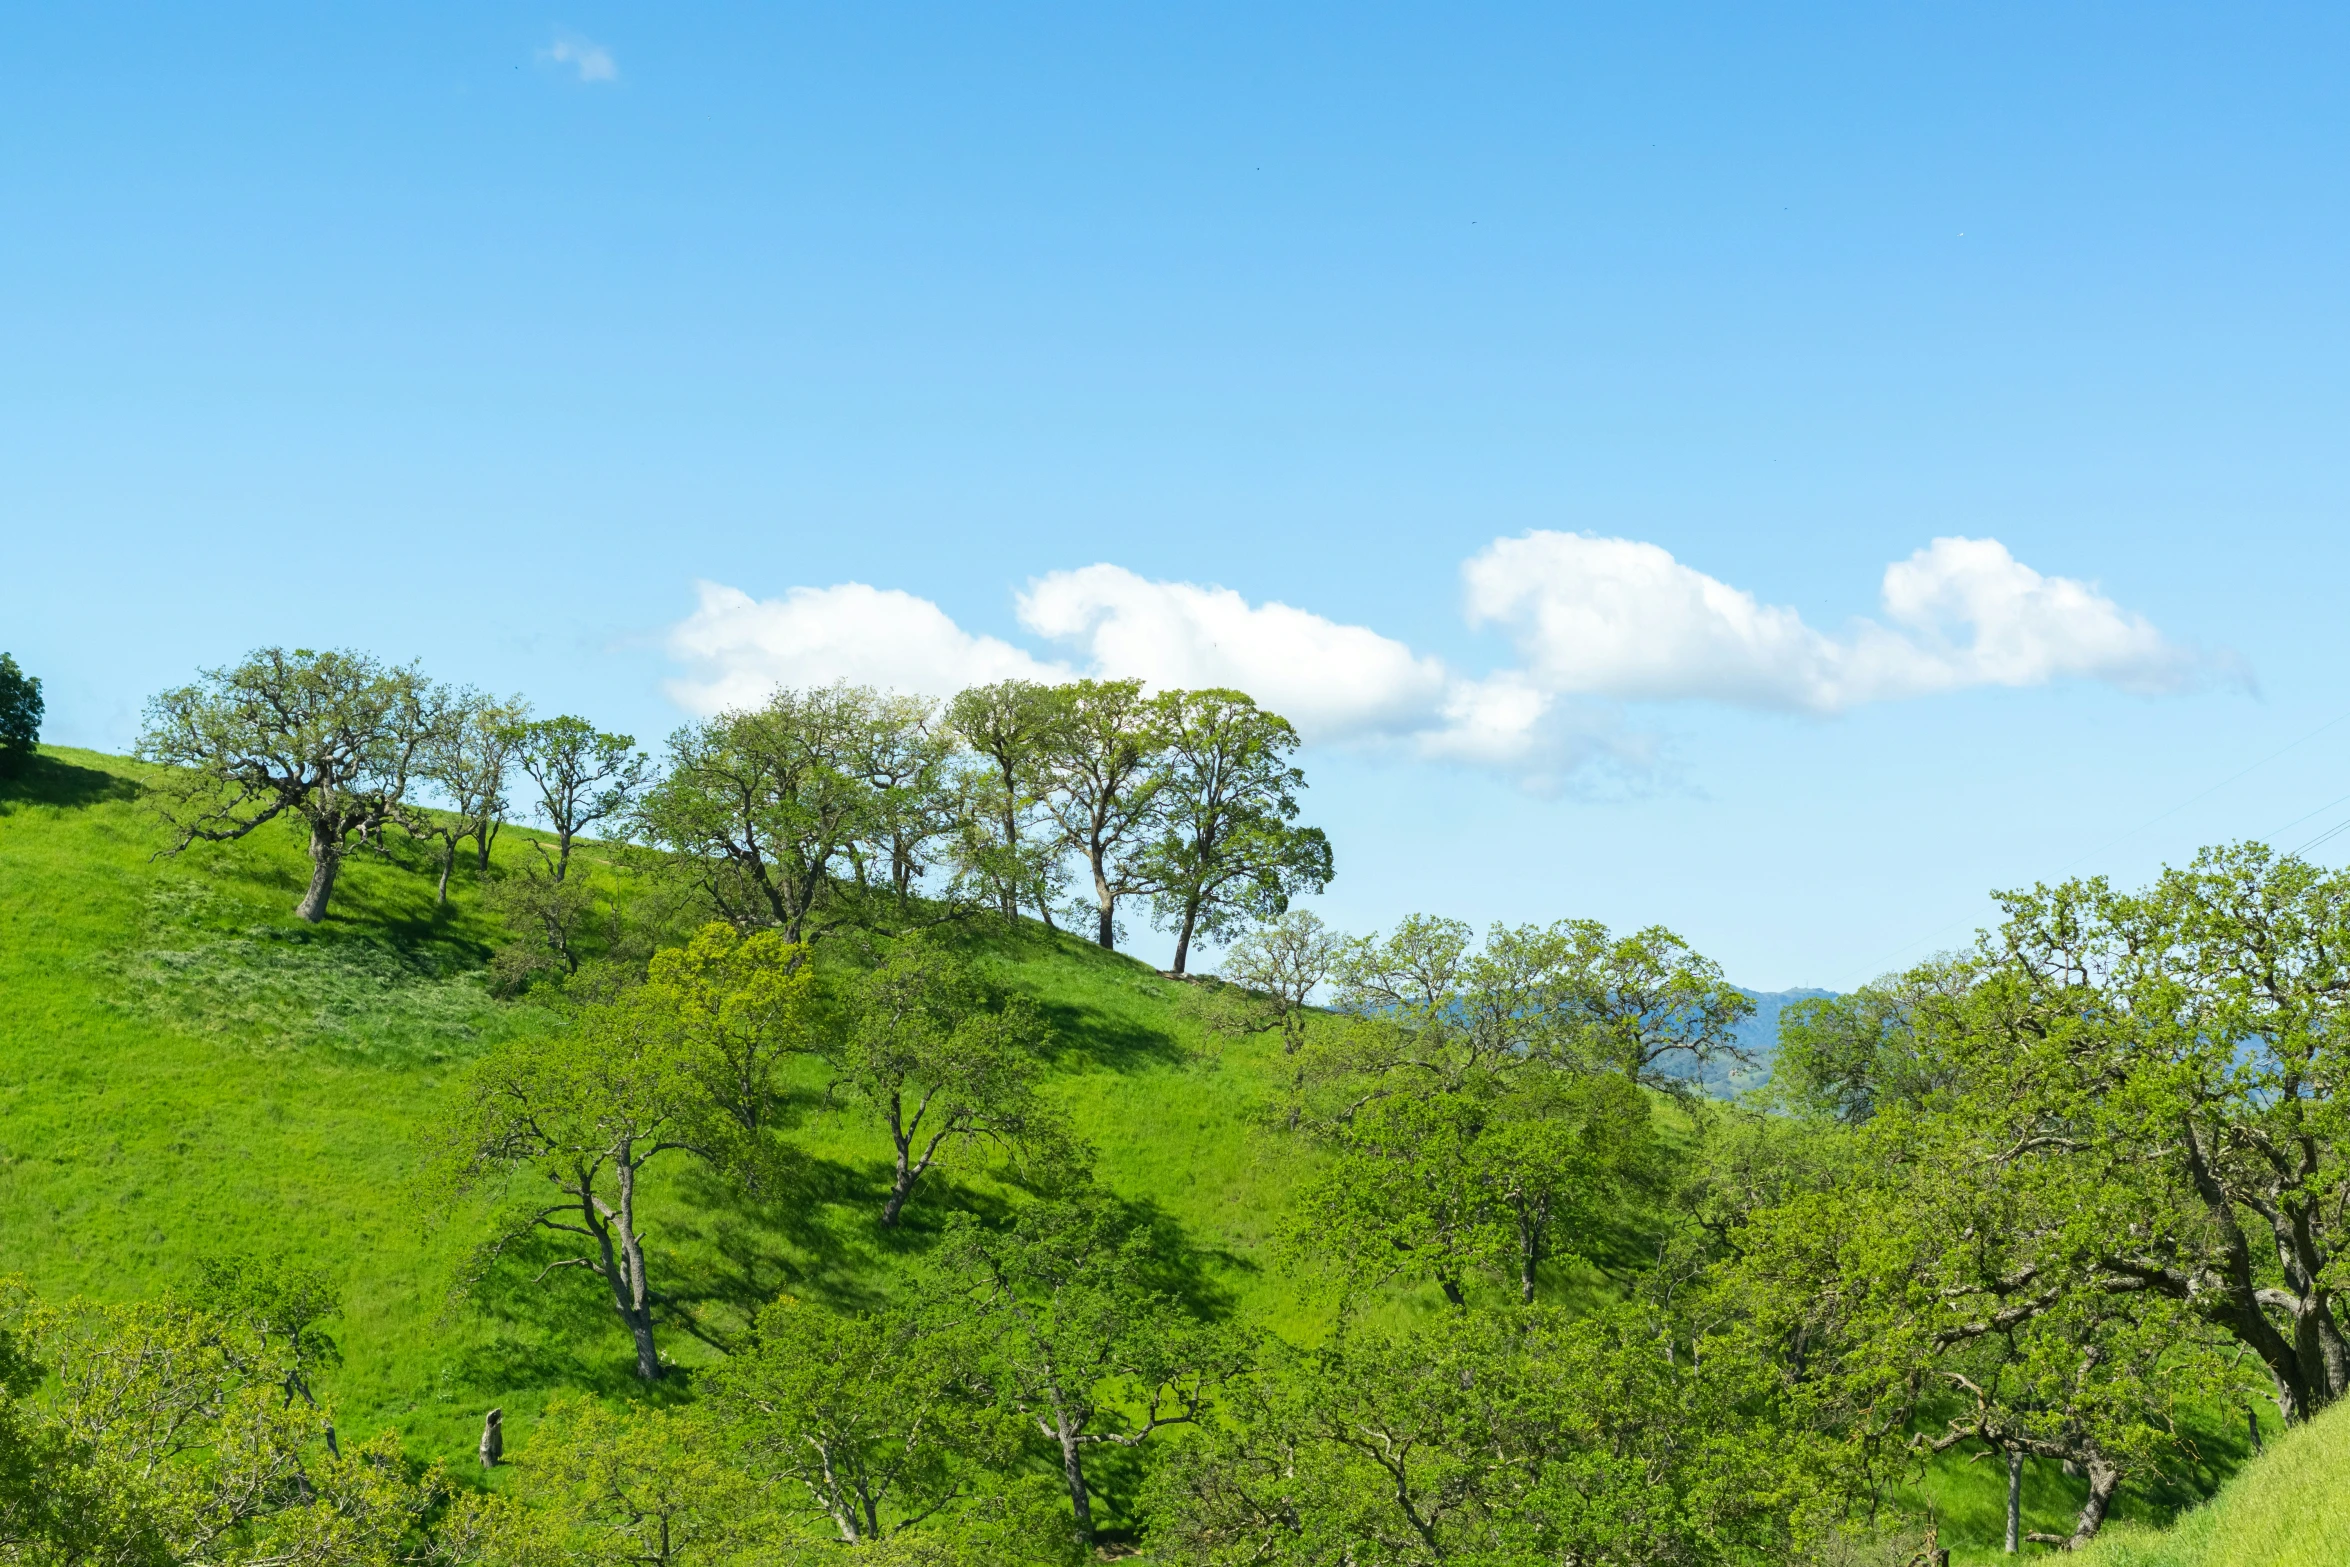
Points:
189	1072
2290	1507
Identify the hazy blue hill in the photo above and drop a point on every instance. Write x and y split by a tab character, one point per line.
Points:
1759	1035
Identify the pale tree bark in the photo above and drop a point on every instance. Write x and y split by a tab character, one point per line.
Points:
620	1250
2015	1500
909	1168
326	858
628	1286
1073	1472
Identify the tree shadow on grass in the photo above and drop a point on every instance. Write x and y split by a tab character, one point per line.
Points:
1083	1034
47	780
734	1246
549	1327
1182	1267
1087	1036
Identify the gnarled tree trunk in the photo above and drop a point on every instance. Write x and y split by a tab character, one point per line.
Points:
326	858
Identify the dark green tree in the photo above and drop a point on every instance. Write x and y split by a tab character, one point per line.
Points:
20	714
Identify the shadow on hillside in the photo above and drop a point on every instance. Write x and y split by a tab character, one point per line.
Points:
814	1231
801	1229
1181	1266
549	1325
1082	1033
46	780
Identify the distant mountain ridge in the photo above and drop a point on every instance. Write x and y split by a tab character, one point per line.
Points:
1759	1037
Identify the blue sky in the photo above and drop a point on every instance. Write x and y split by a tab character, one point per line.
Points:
485	333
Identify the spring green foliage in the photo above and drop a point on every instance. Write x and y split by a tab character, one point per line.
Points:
190	1072
940	1064
1229	851
165	1433
581	775
1519	1435
1006	852
1460	1270
871	1423
1087	1339
1494	1178
331	740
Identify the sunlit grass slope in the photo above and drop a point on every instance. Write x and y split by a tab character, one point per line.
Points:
187	1071
2289	1507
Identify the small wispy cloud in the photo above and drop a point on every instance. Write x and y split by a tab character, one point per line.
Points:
591	60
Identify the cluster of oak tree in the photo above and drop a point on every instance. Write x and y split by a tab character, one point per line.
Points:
2067	1203
794	812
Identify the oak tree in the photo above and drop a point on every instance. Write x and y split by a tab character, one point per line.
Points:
1007	726
1228	849
939	1061
586	1111
875	1421
765	810
583	775
1101	785
1271	975
468	762
333	740
1086	1343
20	714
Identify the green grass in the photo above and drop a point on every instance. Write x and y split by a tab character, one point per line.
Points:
188	1071
2290	1507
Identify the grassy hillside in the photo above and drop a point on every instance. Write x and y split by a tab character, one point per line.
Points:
187	1071
2288	1508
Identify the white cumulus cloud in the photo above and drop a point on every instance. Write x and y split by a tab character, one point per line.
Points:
592	61
1333	681
740	648
1621	619
1595	623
